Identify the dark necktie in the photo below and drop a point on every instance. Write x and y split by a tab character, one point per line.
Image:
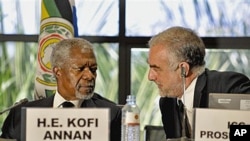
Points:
186	122
67	104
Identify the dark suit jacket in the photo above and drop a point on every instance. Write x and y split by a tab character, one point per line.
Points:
12	125
208	82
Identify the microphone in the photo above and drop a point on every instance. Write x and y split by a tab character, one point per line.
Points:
183	75
22	101
184	115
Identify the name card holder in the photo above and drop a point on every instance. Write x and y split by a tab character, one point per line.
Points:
214	124
65	124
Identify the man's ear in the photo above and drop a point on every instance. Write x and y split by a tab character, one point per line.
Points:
57	71
184	69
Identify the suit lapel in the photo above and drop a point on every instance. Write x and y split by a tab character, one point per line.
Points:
46	102
170	117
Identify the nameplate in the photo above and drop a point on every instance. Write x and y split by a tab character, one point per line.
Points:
214	124
65	124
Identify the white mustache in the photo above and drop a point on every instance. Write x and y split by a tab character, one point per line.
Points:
89	84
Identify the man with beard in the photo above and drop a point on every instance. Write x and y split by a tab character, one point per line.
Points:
177	66
74	66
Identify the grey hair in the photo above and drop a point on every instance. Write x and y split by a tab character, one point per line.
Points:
61	50
183	44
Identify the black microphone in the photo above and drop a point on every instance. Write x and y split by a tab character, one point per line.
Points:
184	115
183	122
25	100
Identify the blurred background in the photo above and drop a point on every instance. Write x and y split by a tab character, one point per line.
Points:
120	30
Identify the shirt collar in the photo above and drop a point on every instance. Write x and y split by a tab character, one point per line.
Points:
58	100
188	96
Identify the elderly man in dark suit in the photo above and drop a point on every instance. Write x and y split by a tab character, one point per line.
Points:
74	66
177	66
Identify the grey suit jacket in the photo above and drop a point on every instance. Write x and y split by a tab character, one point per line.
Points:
208	82
12	126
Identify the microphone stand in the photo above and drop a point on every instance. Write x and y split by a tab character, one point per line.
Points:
184	116
184	136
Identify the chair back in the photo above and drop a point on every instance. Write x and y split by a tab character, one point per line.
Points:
154	133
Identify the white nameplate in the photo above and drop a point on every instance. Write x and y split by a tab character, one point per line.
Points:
65	124
214	124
